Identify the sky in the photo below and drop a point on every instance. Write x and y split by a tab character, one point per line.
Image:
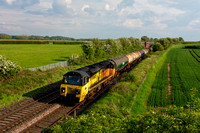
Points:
102	18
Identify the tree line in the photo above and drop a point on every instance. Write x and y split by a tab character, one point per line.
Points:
33	37
98	49
162	43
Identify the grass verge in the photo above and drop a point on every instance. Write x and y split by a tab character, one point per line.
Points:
140	102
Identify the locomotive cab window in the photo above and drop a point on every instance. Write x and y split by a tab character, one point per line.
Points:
110	66
86	79
73	78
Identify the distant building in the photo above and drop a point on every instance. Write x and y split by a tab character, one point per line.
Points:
147	44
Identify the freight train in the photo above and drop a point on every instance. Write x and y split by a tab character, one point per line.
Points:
79	84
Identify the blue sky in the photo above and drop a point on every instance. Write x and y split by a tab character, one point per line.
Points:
102	18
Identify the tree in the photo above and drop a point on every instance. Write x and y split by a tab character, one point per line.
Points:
158	47
144	39
98	47
135	43
125	44
88	51
164	42
110	47
5	36
181	39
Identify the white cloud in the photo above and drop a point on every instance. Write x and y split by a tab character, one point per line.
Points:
84	7
143	6
9	27
45	5
10	1
194	24
133	23
68	2
62	7
87	10
107	7
65	3
156	24
113	3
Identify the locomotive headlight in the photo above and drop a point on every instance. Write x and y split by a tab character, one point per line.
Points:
63	90
78	92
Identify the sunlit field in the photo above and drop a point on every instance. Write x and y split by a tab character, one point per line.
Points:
34	55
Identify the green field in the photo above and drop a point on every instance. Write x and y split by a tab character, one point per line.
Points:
182	68
35	55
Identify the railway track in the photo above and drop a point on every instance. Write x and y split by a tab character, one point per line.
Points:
59	114
12	120
63	111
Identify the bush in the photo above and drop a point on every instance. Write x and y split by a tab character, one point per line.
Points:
88	51
98	46
129	77
158	47
125	45
110	47
8	68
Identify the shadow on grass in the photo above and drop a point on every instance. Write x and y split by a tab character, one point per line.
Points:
43	91
191	47
62	58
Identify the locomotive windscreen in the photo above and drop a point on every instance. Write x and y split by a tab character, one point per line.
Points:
73	79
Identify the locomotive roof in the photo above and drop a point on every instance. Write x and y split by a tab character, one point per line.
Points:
92	69
82	73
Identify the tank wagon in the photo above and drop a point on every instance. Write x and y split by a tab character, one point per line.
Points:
81	83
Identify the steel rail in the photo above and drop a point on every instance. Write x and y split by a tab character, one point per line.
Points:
27	105
26	114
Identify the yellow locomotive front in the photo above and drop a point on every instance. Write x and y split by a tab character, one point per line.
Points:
75	86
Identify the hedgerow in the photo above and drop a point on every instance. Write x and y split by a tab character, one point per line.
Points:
8	68
42	42
174	119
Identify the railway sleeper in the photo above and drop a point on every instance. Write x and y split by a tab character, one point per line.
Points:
5	122
16	115
11	117
19	114
8	119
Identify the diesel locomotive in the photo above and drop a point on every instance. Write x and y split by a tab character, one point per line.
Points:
79	84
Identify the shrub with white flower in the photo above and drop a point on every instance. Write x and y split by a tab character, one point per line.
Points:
8	68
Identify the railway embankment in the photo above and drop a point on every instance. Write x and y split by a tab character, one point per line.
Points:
112	110
139	105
